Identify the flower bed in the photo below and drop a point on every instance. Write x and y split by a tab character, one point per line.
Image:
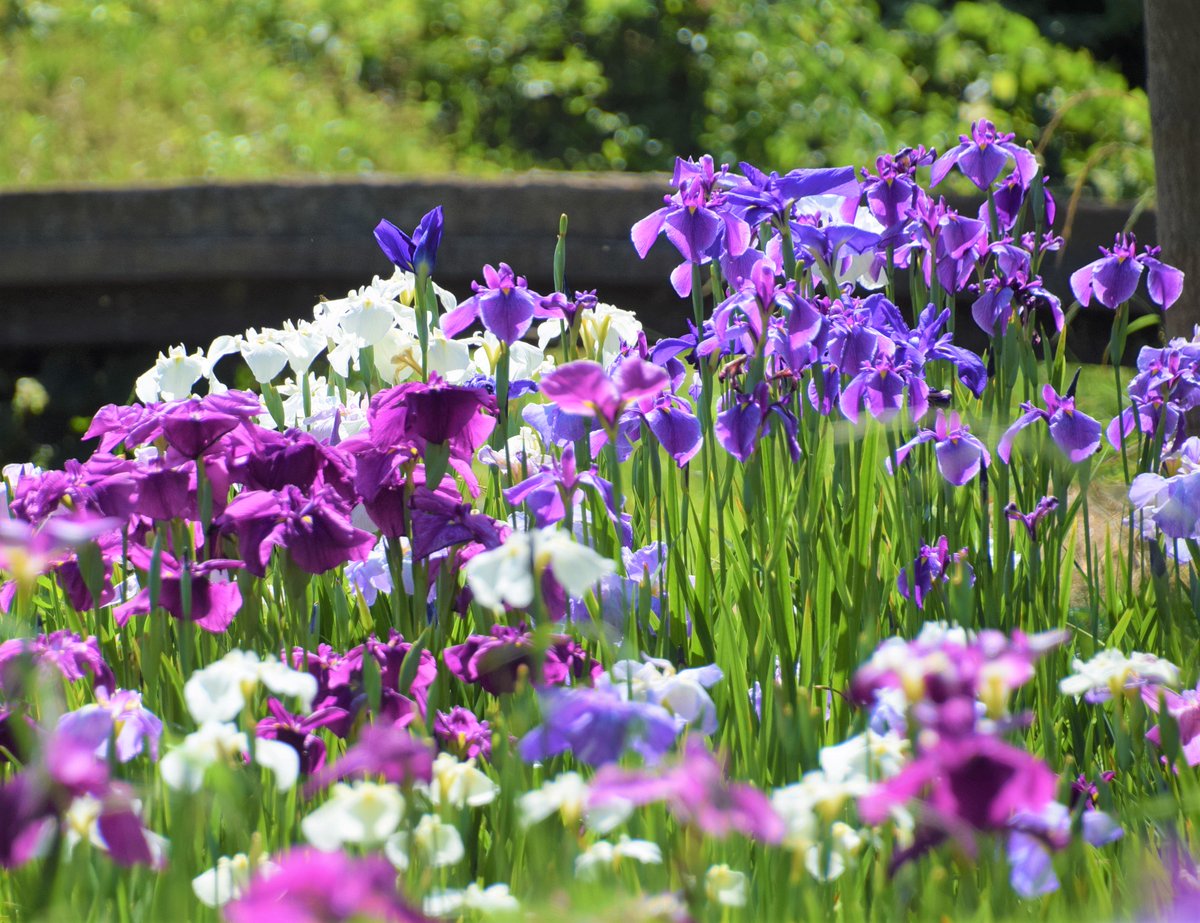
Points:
805	613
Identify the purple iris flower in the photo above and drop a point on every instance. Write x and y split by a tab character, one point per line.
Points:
598	727
761	197
418	414
697	792
417	253
440	520
390	656
463	734
104	486
675	427
933	563
1002	296
1166	386
1030	520
271	461
504	303
1010	195
694	217
1114	277
893	191
981	156
381	750
746	418
211	599
64	650
310	886
192	427
498	660
881	386
965	786
1077	434
1184	707
548	493
927	341
137	729
959	454
297	731
315	530
584	388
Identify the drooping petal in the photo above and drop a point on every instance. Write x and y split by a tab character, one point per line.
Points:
1075	433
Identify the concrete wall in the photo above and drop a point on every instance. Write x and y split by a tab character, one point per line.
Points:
147	267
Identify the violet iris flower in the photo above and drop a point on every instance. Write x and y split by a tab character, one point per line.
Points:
504	303
675	427
1002	296
137	729
696	792
746	418
463	734
959	454
1077	434
584	388
440	520
598	727
880	387
761	197
551	489
933	563
981	155
310	886
416	254
1044	508
1114	277
316	530
693	218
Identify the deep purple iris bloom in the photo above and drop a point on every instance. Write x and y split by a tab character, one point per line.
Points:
1077	434
463	734
210	603
598	727
585	389
1114	277
504	303
696	791
297	731
675	427
440	520
1166	386
959	454
418	253
1002	296
310	886
1030	520
498	660
965	786
316	530
933	563
881	386
893	191
983	154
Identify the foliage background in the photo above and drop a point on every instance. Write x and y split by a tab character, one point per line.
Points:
146	89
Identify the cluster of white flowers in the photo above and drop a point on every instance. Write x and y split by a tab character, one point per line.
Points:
1111	673
507	575
215	696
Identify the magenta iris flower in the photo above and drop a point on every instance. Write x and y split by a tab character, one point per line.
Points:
982	154
585	389
211	600
697	792
1114	277
598	727
463	734
310	886
417	253
503	303
1184	707
497	661
381	750
64	650
959	454
549	491
1073	431
298	732
440	521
